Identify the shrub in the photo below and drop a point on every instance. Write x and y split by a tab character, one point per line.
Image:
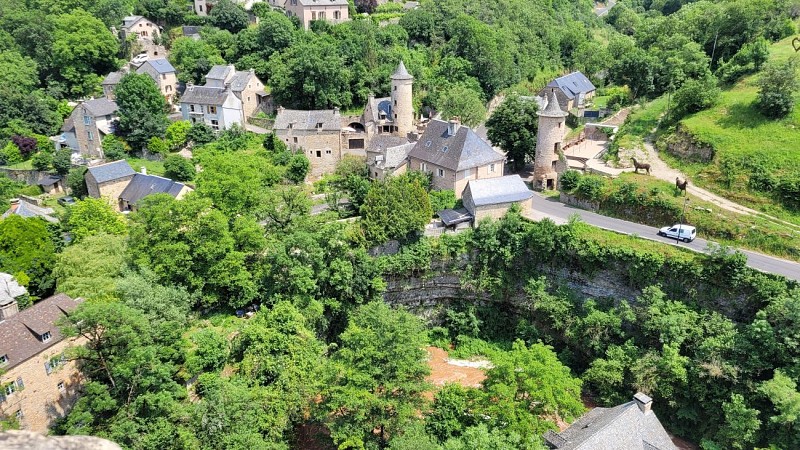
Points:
178	168
777	86
42	161
569	180
590	188
298	168
10	154
442	200
696	95
62	161
113	148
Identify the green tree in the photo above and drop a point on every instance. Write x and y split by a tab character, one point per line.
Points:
193	58
463	102
210	351
82	48
311	74
177	134
26	247
696	95
62	161
93	216
18	72
377	376
237	185
512	127
91	267
179	168
298	168
200	134
113	148
394	208
776	88
42	161
142	109
157	146
76	182
741	424
229	16
159	303
781	390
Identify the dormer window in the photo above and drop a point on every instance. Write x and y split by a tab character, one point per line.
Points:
45	337
3	360
87	120
290	126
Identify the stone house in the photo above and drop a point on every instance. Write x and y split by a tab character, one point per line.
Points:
333	11
317	133
454	155
143	185
493	197
573	90
229	96
37	383
108	180
164	75
89	122
632	425
110	83
146	32
387	155
24	208
393	114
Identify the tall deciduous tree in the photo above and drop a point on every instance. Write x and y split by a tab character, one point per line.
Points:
776	88
91	267
142	109
394	208
377	376
26	247
464	103
83	47
193	58
229	16
93	216
512	127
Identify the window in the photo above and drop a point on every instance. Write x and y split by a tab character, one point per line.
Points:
328	152
201	7
54	363
395	104
19	414
202	109
290	126
319	125
440	172
444	149
295	139
215	124
467	173
90	135
191	108
395	88
10	389
61	387
87	120
3	360
313	15
424	167
46	336
559	124
319	153
337	15
212	109
491	168
321	15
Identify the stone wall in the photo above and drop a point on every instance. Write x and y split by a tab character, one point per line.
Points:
687	147
580	203
29	177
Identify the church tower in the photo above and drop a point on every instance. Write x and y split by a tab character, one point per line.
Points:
548	143
402	105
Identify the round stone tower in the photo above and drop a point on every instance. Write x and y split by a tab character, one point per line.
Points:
548	143
402	105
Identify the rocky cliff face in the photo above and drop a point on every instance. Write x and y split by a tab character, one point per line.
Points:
685	146
28	440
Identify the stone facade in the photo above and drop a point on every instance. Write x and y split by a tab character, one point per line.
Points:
323	149
333	11
446	179
499	210
109	190
44	397
549	139
84	129
167	81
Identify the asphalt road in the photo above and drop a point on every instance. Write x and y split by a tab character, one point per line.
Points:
603	11
560	213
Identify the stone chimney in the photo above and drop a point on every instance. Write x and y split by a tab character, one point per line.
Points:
9	291
335	110
189	85
644	402
453	125
8	309
143	170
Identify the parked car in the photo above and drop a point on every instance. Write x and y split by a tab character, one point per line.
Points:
139	59
686	233
66	201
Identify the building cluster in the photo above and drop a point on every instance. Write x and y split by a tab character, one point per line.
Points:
306	11
122	187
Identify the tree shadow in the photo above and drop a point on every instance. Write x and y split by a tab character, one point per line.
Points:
743	115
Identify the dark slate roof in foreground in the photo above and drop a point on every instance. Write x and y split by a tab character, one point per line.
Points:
161	65
452	217
19	334
205	95
100	106
111	171
623	427
143	185
463	150
308	120
492	191
572	84
112	78
27	210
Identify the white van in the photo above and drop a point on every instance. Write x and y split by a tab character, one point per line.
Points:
686	233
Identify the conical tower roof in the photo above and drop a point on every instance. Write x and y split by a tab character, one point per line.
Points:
553	109
401	73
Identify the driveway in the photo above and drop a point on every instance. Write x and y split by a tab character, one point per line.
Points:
603	11
560	213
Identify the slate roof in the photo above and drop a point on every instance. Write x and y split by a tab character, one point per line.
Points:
381	105
394	150
492	191
401	73
112	79
111	171
463	150
190	30
161	65
308	120
9	289
572	84
623	427
454	216
19	334
100	106
130	20
25	209
219	72
69	124
239	81
553	109
143	185
205	95
48	180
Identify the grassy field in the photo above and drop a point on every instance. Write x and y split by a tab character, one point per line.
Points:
24	165
153	167
640	123
743	138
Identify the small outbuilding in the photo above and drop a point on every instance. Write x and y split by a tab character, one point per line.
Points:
493	197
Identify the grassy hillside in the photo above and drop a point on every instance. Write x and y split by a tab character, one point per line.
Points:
745	144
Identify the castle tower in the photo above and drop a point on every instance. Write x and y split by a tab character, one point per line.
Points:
402	106
548	143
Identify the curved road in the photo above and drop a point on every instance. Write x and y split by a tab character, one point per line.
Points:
560	213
